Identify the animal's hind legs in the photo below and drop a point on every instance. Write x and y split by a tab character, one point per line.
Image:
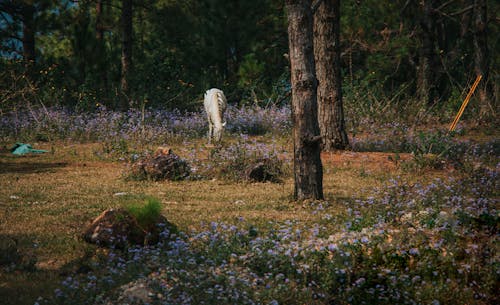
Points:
210	133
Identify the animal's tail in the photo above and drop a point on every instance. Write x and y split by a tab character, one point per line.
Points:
221	101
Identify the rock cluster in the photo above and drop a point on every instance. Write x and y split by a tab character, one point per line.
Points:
163	165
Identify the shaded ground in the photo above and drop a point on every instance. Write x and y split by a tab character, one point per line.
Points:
29	167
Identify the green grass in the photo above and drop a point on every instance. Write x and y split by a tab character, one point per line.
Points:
147	213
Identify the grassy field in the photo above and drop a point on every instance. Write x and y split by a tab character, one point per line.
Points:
387	231
48	199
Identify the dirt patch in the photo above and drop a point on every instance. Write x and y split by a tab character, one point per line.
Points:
368	160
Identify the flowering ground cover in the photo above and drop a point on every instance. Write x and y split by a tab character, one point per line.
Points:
150	125
411	245
409	231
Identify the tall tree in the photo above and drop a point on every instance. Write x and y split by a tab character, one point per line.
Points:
481	54
22	13
126	59
100	44
28	17
307	167
428	62
328	72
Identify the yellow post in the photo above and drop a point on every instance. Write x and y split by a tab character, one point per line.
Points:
464	104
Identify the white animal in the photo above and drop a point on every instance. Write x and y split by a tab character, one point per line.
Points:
215	106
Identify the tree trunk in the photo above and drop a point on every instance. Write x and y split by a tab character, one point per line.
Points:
308	171
327	57
99	35
28	12
481	56
126	20
99	28
426	79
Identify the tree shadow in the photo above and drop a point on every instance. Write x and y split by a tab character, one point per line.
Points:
22	280
29	167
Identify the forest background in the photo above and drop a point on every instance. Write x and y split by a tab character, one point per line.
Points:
166	53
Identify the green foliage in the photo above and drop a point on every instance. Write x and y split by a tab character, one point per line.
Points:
182	48
146	213
250	72
114	149
204	44
430	150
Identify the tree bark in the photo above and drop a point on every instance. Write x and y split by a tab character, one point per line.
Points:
28	40
328	72
426	79
481	56
308	170
126	59
99	28
101	49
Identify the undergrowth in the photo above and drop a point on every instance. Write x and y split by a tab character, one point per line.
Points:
409	244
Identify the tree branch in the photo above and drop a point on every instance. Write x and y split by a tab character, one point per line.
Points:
462	11
5	18
405	6
444	5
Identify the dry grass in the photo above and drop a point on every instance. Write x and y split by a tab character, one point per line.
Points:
47	200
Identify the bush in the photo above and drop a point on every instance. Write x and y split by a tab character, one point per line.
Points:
147	214
158	167
236	161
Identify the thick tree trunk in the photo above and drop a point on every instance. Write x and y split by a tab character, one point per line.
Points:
101	49
481	56
126	20
327	57
426	79
28	40
99	28
308	170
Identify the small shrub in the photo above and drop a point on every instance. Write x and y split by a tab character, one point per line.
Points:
237	161
146	214
159	167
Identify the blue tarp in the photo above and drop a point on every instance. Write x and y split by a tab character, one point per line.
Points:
22	149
